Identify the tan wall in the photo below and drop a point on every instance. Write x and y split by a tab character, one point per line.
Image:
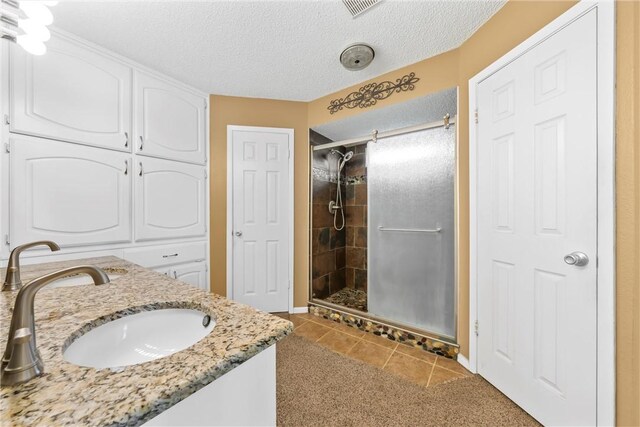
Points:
628	213
225	111
514	23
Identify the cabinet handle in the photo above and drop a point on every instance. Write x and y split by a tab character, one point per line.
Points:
140	174
169	255
126	139
141	142
126	167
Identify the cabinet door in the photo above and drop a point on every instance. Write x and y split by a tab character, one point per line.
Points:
169	199
71	94
72	194
195	274
170	122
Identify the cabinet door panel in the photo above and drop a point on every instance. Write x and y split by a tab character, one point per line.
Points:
170	122
195	274
170	200
68	193
71	94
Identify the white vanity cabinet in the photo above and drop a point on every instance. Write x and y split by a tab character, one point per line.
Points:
73	93
102	155
182	261
170	121
68	193
194	274
170	199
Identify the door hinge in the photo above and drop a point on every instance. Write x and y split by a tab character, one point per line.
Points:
6	119
476	328
7	147
476	115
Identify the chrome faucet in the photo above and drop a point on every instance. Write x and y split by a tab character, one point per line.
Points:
12	280
21	361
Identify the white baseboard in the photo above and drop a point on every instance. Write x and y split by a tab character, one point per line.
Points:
465	362
300	310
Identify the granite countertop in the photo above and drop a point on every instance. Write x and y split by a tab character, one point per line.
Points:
75	395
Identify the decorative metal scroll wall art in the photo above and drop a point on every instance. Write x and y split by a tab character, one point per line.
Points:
370	94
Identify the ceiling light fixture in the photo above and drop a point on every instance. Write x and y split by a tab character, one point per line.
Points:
25	23
357	56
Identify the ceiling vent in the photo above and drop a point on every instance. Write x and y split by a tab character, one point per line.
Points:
356	7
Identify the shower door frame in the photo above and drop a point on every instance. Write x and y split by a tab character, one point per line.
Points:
366	315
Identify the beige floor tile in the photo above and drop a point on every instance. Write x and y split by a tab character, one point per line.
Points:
376	339
297	321
305	316
417	352
371	354
338	342
322	321
311	331
439	376
452	365
348	329
410	368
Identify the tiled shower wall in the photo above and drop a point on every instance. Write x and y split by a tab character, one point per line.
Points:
328	253
356	219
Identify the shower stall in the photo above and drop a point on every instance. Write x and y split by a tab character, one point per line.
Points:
383	227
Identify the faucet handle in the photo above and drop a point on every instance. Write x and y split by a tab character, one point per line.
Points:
12	281
22	364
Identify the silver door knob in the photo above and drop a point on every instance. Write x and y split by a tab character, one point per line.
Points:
579	259
238	233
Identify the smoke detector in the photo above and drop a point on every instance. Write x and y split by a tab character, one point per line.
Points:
357	56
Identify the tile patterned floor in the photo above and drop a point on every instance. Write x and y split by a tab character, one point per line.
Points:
415	365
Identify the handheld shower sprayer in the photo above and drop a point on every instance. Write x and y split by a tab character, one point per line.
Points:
335	206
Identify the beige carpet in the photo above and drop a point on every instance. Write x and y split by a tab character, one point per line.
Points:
317	387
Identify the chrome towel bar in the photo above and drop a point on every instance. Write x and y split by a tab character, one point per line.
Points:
411	230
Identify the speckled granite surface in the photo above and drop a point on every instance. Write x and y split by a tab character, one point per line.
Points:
72	395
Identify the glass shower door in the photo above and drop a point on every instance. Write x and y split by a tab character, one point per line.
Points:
411	264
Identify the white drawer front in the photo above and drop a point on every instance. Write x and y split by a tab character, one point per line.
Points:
158	256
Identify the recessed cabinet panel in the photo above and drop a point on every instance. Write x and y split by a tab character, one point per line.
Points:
71	94
68	193
169	199
170	122
194	274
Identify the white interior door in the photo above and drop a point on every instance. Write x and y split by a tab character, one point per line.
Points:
537	203
261	216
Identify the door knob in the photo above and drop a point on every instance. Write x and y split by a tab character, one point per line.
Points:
579	259
238	233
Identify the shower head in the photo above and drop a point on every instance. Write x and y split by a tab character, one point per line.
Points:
345	156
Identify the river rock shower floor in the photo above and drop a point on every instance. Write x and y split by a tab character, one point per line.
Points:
348	297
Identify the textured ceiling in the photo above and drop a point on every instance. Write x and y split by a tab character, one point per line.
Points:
426	109
272	49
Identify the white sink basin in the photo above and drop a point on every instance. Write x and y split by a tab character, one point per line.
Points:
139	338
79	280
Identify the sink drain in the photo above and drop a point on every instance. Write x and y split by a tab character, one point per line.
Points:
206	320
